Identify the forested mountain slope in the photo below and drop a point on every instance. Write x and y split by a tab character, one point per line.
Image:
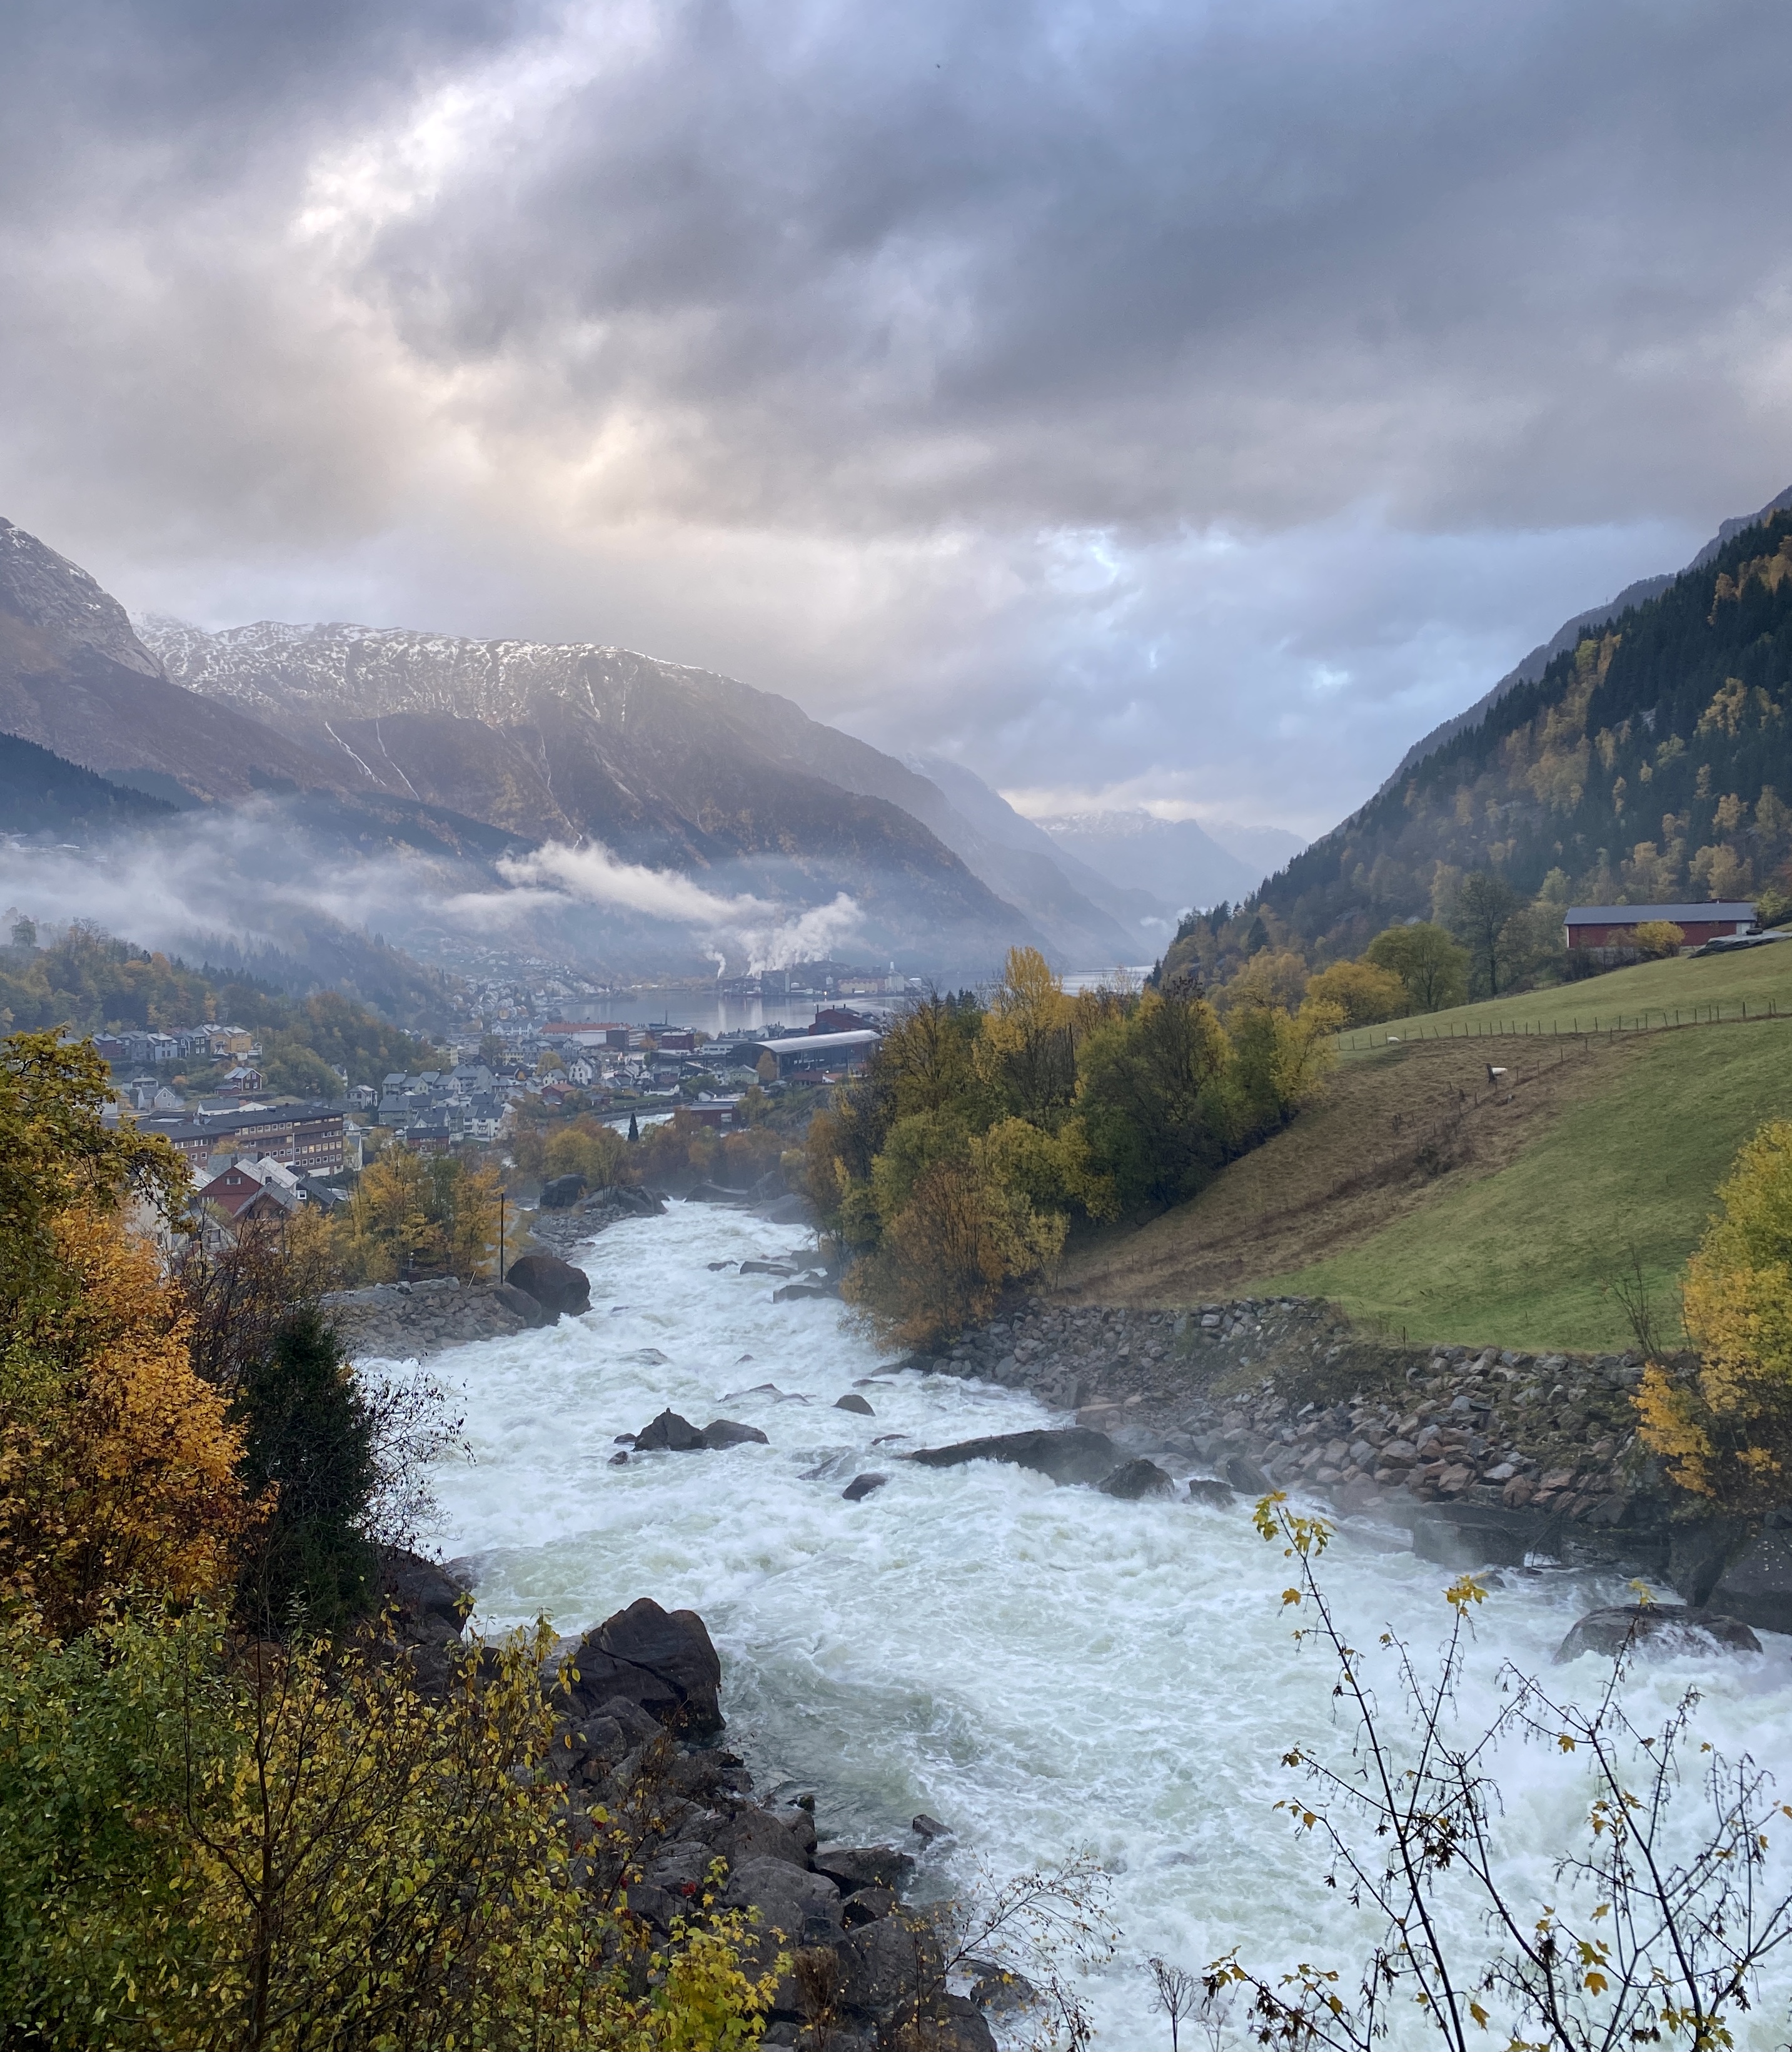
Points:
1650	762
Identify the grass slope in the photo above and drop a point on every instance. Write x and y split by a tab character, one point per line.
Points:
1651	994
1588	1147
1527	1256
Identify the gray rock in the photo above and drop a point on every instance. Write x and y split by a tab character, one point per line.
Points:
728	1432
1073	1454
532	1312
1136	1480
562	1191
1471	1535
853	1867
1246	1476
852	1401
1757	1585
1202	1489
1658	1627
927	1829
793	1293
557	1286
756	1834
767	1268
864	1486
790	1900
669	1433
886	1964
661	1661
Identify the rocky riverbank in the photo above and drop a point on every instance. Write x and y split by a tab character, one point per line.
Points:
1486	1455
661	1810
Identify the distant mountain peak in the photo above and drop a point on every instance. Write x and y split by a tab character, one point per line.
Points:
58	602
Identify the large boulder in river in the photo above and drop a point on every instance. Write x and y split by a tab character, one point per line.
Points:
1137	1479
562	1191
727	1432
1654	1627
1070	1453
557	1286
662	1660
523	1305
670	1434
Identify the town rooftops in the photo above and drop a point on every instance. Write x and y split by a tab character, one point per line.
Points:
1723	913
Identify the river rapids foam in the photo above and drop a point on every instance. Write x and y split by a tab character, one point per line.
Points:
1046	1669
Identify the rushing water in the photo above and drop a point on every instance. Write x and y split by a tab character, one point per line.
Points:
1046	1669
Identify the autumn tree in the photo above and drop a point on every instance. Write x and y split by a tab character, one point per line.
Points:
118	1463
1363	991
414	1214
1432	964
1723	1422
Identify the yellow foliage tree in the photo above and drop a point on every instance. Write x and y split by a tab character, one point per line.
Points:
117	1461
1658	938
1363	991
118	1466
1723	1426
412	1214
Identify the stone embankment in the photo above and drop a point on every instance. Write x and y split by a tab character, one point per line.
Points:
661	1810
411	1321
1486	1455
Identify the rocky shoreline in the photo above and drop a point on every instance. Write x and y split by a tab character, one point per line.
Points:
662	1812
1486	1456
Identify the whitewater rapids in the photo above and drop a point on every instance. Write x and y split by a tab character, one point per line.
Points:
1046	1669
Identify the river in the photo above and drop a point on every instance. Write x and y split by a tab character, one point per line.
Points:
1043	1669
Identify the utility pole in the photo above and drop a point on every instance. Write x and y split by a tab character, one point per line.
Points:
500	1238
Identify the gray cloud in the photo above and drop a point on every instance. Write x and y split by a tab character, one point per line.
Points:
1189	402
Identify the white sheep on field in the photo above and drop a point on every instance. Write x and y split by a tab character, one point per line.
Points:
1494	1075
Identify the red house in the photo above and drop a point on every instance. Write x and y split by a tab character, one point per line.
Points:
1615	926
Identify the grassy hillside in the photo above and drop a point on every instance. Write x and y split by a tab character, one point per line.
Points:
1424	1199
1681	989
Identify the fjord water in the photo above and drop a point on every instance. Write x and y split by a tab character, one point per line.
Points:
1045	1669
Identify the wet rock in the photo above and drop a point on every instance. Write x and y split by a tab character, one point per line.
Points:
864	1486
853	1867
562	1191
1654	1627
865	1905
660	1660
669	1433
792	1293
927	1829
1073	1454
1247	1476
530	1310
617	1461
768	1268
1136	1480
557	1286
756	1835
886	1964
1470	1535
791	1900
1756	1586
729	1433
1202	1489
852	1401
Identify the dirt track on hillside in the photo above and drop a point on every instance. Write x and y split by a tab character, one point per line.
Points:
1393	1132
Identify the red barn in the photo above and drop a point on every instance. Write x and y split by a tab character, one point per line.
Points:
1615	926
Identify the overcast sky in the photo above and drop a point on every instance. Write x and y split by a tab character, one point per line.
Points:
1185	404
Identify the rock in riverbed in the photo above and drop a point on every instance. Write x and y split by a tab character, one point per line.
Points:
1654	1627
1073	1454
661	1660
557	1286
1136	1480
669	1433
729	1432
864	1486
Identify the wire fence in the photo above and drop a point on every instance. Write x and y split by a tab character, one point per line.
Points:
1576	1026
